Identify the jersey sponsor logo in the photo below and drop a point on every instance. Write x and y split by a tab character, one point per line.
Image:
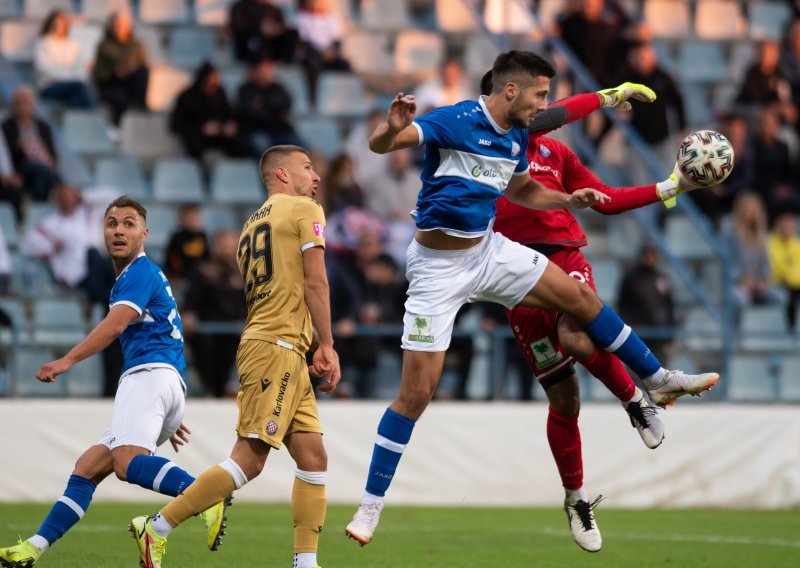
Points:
258	297
545	353
421	329
536	168
515	148
272	427
281	395
478	172
544	151
319	230
491	171
484	142
265	384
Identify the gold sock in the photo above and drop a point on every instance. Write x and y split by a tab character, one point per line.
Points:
214	485
308	512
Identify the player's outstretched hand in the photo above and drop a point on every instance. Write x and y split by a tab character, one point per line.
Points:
180	437
401	112
49	371
325	364
583	198
618	97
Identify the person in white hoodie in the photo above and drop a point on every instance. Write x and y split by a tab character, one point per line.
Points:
61	72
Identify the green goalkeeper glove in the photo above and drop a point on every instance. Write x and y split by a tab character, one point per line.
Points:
617	98
669	189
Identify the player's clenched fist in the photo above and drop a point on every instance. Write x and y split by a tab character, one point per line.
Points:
401	112
325	364
584	198
49	371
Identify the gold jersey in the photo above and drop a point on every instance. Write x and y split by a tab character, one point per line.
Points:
270	260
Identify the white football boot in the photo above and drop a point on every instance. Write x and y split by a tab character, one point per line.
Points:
674	384
582	524
645	419
364	522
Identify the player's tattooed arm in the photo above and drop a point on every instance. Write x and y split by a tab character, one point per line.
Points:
397	132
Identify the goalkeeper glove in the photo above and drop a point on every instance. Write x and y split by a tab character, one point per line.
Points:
669	189
617	98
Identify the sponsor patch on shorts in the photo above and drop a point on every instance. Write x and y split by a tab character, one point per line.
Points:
421	328
545	353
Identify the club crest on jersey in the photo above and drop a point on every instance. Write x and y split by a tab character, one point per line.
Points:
272	427
319	230
515	148
545	353
421	329
544	151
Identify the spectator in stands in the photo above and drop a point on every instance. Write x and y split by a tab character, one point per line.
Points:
773	164
187	246
747	246
263	110
61	73
120	71
5	267
784	258
448	87
247	21
651	120
341	189
202	117
764	83
215	294
277	42
592	38
30	143
645	298
320	32
789	64
392	193
10	181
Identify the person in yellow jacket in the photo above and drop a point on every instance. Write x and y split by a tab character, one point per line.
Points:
784	259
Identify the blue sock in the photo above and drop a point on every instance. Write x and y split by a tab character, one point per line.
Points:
394	432
158	474
609	332
69	509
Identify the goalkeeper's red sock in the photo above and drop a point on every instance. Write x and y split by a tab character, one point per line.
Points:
565	443
611	372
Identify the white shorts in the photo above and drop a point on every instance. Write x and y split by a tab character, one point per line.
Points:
441	281
148	409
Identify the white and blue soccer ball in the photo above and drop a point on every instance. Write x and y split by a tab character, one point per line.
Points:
705	158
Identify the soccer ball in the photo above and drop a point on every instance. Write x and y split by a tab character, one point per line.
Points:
705	158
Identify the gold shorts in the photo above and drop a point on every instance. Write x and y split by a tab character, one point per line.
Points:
275	393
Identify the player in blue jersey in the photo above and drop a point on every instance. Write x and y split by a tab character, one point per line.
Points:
475	152
149	404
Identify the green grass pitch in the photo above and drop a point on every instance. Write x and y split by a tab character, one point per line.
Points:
260	535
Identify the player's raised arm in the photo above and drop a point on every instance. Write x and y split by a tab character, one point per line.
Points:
527	192
397	132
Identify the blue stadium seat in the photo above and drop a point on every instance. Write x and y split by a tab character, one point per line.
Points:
742	55
321	135
789	380
161	223
9	10
100	10
768	19
31	277
39	9
164	11
219	217
368	52
178	180
697	104
665	54
751	379
85	379
295	82
232	77
8	224
190	46
237	182
719	20
20	326
58	321
341	95
685	240
668	18
122	173
27	361
384	15
764	328
479	54
624	237
418	51
153	40
147	136
701	62
86	132
700	331
607	278
34	213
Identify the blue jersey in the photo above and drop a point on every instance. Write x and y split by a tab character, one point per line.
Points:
155	338
468	163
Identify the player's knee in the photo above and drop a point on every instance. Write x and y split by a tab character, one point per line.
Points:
587	304
564	397
416	396
121	469
574	340
317	461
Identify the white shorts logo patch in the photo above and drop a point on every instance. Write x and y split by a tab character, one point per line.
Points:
421	329
545	353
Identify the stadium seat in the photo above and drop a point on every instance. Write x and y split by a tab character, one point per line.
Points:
164	11
454	16
178	180
751	379
27	361
508	17
550	11
40	9
15	311
684	239
683	362
697	105
8	224
701	331
17	39
123	174
86	132
212	12
146	135
768	19
665	54
219	217
9	10
100	10
58	321
190	46
701	62
161	223
368	52
625	237
295	82
153	40
237	182
321	135
479	54
166	83
719	19
668	18
418	51
384	15
85	379
88	37
741	57
607	278
231	79
34	213
764	328
789	380
341	95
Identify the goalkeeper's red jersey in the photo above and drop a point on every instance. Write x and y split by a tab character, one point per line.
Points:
556	167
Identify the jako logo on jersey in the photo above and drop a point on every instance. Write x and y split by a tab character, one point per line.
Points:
484	142
477	172
534	167
319	229
514	148
544	151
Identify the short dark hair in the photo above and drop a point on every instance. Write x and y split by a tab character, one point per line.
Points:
486	83
511	64
126	201
271	154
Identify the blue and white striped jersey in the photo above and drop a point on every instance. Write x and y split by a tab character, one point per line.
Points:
468	163
155	338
